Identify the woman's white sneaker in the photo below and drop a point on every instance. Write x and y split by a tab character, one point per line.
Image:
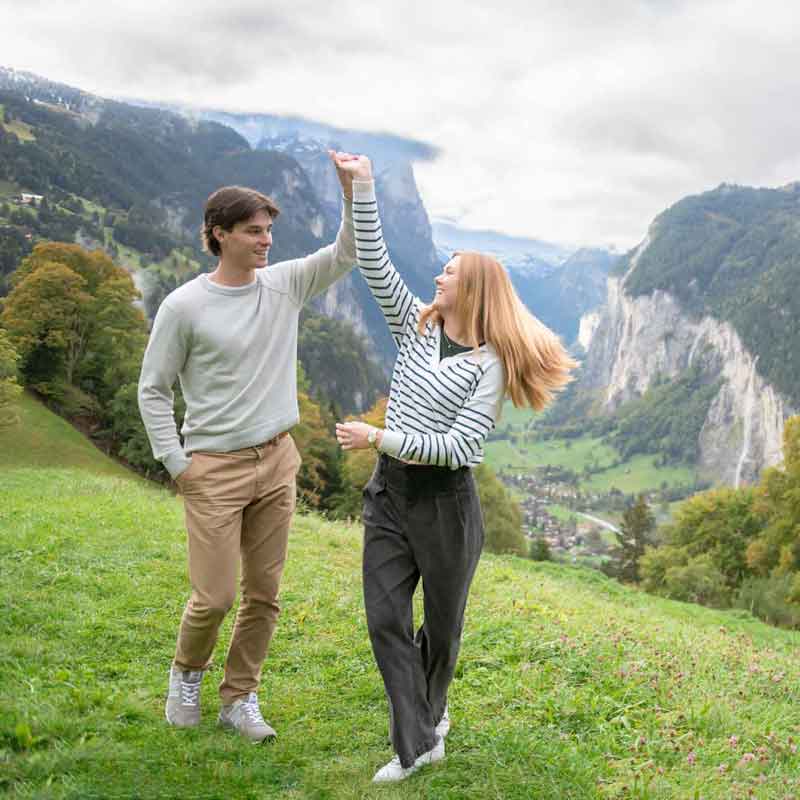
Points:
395	771
443	728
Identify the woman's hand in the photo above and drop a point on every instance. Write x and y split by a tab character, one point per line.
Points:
353	435
350	168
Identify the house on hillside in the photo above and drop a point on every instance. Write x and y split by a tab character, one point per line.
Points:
28	199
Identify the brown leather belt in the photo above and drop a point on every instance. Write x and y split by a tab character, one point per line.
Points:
274	440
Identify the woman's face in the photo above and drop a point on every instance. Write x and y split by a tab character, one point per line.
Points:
447	286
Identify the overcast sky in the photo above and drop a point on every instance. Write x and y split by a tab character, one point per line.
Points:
575	122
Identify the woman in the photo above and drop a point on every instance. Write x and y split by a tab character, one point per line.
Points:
457	359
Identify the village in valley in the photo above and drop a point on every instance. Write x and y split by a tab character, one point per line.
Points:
573	492
553	512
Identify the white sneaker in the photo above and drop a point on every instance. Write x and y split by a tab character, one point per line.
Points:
443	728
183	698
395	771
244	716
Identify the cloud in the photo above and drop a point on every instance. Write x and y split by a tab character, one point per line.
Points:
576	122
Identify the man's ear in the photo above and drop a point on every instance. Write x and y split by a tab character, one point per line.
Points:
218	232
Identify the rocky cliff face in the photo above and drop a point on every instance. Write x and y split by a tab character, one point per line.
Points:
630	341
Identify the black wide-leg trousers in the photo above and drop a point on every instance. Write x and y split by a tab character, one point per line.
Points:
419	522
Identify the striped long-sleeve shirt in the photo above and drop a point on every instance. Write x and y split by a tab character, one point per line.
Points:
439	412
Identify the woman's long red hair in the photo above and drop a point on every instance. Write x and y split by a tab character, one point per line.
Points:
535	362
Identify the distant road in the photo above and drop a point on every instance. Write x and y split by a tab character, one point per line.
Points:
599	521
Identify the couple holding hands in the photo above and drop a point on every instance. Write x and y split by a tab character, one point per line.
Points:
230	337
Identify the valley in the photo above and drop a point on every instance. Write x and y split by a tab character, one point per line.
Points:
572	491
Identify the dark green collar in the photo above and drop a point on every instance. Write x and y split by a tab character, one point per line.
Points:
447	347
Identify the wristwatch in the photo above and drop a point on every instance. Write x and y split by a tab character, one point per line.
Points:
372	437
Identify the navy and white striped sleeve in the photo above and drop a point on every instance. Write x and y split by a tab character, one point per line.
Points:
399	306
458	446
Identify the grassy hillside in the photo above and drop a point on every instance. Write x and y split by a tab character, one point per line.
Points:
43	439
569	685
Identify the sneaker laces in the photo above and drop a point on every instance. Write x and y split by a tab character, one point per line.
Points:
252	711
190	692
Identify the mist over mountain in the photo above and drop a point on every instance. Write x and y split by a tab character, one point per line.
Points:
509	250
262	130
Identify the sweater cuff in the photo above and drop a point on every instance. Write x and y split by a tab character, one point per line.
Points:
347	207
363	191
176	462
391	442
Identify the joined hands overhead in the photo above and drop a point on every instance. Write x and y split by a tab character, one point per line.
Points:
350	167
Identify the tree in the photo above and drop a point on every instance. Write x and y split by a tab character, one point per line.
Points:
720	522
502	519
357	465
697	581
46	316
632	538
778	498
72	318
540	549
319	479
776	550
9	388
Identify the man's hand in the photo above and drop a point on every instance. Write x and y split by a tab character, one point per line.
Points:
353	435
350	168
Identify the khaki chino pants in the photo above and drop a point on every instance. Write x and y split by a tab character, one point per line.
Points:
238	509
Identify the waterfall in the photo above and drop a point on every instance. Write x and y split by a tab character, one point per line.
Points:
749	403
697	339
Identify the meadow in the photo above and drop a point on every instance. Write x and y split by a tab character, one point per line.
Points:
569	684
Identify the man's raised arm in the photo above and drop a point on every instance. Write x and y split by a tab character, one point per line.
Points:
313	274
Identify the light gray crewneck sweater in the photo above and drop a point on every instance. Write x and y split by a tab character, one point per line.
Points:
234	350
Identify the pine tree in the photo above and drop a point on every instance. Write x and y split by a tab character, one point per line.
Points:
540	549
632	538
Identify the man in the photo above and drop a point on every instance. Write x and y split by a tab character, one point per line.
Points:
231	338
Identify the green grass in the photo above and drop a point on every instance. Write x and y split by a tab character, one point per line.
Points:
21	130
8	189
562	512
91	206
519	418
573	454
637	474
568	686
43	439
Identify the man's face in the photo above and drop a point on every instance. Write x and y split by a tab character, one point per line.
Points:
447	286
247	245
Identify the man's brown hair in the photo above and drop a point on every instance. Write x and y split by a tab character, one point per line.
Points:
229	205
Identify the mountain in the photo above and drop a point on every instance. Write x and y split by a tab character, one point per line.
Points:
556	283
509	250
261	130
405	226
133	181
710	300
